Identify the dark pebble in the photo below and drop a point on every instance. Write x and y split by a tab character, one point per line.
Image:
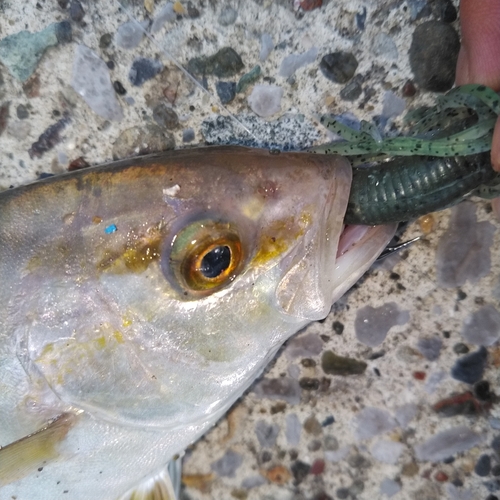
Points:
356	487
483	466
105	40
444	10
63	3
433	55
358	462
461	295
460	348
247	79
322	496
188	135
491	497
64	32
78	164
225	63
49	138
409	89
22	112
265	456
340	365
143	69
352	90
328	421
119	88
226	91
300	470
495	470
338	327
44	175
482	390
193	12
308	363
111	65
309	384
76	12
339	67
470	368
361	19
342	493
165	116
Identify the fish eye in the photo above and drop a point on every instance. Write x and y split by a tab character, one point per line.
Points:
205	256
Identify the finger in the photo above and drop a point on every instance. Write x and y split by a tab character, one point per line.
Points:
479	57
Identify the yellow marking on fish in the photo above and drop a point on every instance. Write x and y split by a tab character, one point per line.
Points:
277	238
252	208
101	342
126	322
138	253
118	336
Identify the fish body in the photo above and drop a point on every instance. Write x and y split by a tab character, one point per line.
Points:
140	299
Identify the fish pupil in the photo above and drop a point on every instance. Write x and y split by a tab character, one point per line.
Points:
215	262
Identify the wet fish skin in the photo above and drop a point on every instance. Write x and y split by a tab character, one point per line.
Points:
95	324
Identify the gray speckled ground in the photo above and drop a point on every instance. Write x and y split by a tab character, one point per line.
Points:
267	444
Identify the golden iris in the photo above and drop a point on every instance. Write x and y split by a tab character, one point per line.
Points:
206	255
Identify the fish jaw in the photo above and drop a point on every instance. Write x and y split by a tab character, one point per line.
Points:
96	326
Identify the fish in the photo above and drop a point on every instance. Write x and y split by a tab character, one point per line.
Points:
140	299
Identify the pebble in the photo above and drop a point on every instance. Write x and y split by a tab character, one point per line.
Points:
313	426
339	67
49	138
482	327
482	391
227	16
165	116
389	487
22	51
224	64
228	464
192	11
338	327
483	466
283	388
405	414
293	62
141	140
318	467
265	100
372	324
430	347
22	112
393	105
266	46
226	91
433	55
188	135
330	443
460	348
371	422
300	470
143	69
455	493
130	34
92	82
64	32
266	433
446	444
247	79
76	12
119	88
307	345
444	10
105	40
342	493
352	90
166	14
336	456
333	364
384	46
293	429
387	451
470	368
278	474
309	383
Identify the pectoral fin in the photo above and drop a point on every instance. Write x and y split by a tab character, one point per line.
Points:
159	486
29	453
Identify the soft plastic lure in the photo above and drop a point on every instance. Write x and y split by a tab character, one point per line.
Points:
453	138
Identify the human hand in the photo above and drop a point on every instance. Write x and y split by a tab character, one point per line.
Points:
479	57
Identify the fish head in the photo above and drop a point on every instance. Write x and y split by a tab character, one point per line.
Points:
151	293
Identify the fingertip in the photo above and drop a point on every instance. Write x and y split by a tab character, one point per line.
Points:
462	75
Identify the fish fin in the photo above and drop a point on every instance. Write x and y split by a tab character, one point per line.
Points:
159	486
26	455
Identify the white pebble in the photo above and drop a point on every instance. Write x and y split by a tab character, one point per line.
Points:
265	100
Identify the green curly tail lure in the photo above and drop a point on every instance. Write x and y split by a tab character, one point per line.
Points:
444	158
